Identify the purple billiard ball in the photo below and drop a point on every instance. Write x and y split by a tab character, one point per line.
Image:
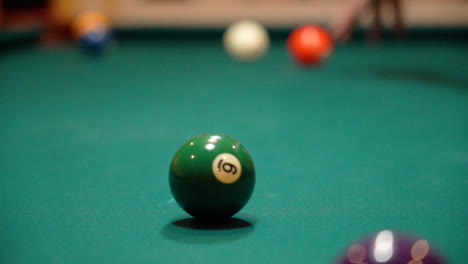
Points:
388	247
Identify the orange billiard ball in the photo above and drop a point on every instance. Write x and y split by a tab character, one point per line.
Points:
309	45
89	22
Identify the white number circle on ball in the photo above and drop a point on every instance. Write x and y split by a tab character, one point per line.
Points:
226	168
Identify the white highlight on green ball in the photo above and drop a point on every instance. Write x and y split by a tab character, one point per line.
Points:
246	40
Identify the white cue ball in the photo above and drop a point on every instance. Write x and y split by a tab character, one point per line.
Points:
246	40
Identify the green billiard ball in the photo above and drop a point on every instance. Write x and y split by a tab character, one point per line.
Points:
212	176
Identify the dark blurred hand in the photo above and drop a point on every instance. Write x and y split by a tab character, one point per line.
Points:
342	25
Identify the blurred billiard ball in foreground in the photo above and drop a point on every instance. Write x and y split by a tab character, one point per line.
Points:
389	247
212	176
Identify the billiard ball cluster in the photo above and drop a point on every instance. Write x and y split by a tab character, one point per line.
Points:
245	40
92	30
248	40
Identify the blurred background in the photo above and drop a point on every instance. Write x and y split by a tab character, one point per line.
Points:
56	14
86	143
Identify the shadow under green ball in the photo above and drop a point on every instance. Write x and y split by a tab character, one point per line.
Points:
193	231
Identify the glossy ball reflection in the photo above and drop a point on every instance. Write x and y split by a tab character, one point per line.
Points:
212	176
389	247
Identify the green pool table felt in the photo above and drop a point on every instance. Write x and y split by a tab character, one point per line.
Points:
376	138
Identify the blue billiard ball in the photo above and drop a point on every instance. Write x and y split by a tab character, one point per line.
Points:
96	40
